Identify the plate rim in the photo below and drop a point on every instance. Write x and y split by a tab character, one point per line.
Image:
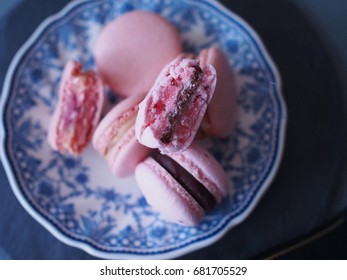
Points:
224	225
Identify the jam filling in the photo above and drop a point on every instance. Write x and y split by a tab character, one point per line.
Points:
196	189
182	102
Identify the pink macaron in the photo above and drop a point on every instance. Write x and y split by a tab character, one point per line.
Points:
132	49
220	116
183	187
114	138
172	111
78	111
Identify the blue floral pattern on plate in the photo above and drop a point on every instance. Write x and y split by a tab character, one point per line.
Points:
77	199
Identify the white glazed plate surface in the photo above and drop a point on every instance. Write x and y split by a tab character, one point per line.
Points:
77	199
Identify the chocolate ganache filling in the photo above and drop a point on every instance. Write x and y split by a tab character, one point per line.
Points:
196	189
182	102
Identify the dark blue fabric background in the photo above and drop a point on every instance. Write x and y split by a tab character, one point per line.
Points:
310	185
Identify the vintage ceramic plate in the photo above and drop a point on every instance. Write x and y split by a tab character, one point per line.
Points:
77	199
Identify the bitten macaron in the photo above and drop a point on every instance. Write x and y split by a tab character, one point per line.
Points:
171	113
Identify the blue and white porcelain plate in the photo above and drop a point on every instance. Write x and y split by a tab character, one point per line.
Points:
77	199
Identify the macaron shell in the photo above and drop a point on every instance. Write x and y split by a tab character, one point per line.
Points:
126	155
221	112
205	168
165	195
132	49
110	125
80	94
170	115
114	138
52	130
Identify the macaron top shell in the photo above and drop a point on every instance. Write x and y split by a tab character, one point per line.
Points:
220	116
132	49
